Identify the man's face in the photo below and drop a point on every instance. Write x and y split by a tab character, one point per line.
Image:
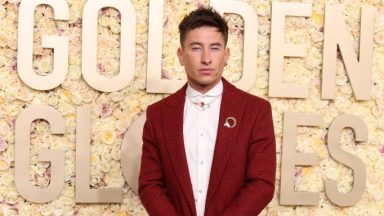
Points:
204	55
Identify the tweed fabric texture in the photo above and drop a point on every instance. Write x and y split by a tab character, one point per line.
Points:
244	162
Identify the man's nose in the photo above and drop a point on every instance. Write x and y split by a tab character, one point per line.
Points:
206	57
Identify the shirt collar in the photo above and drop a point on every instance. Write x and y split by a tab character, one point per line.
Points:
217	90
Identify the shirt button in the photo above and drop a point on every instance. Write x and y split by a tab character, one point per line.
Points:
201	134
200	191
201	162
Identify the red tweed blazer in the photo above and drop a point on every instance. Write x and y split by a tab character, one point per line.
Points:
243	169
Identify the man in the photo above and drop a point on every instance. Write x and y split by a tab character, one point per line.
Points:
208	149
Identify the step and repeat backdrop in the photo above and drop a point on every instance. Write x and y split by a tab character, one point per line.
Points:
76	78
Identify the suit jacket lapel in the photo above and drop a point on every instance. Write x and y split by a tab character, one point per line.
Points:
173	115
232	105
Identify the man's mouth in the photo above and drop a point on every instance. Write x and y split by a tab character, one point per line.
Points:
205	70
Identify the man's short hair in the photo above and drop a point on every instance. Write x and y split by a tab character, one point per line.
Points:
203	16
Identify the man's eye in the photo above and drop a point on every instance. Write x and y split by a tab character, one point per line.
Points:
215	48
195	48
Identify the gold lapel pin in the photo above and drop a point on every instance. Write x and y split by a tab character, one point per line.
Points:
230	122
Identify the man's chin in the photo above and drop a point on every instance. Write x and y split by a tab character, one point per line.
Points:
206	83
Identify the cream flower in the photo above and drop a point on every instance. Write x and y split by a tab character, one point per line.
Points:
2	9
10	211
108	136
65	108
263	8
3	144
44	66
105	166
3	40
379	37
74	72
116	96
42	127
4	164
313	59
115	27
11	196
116	152
122	124
75	11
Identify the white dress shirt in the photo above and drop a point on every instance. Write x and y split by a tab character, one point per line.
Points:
201	117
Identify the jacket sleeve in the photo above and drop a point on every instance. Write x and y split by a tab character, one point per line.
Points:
259	184
152	189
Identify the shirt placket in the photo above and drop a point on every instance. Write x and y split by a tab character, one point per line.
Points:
201	148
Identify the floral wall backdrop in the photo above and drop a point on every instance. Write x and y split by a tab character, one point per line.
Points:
112	113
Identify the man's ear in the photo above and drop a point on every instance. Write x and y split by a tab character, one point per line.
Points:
180	55
226	54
